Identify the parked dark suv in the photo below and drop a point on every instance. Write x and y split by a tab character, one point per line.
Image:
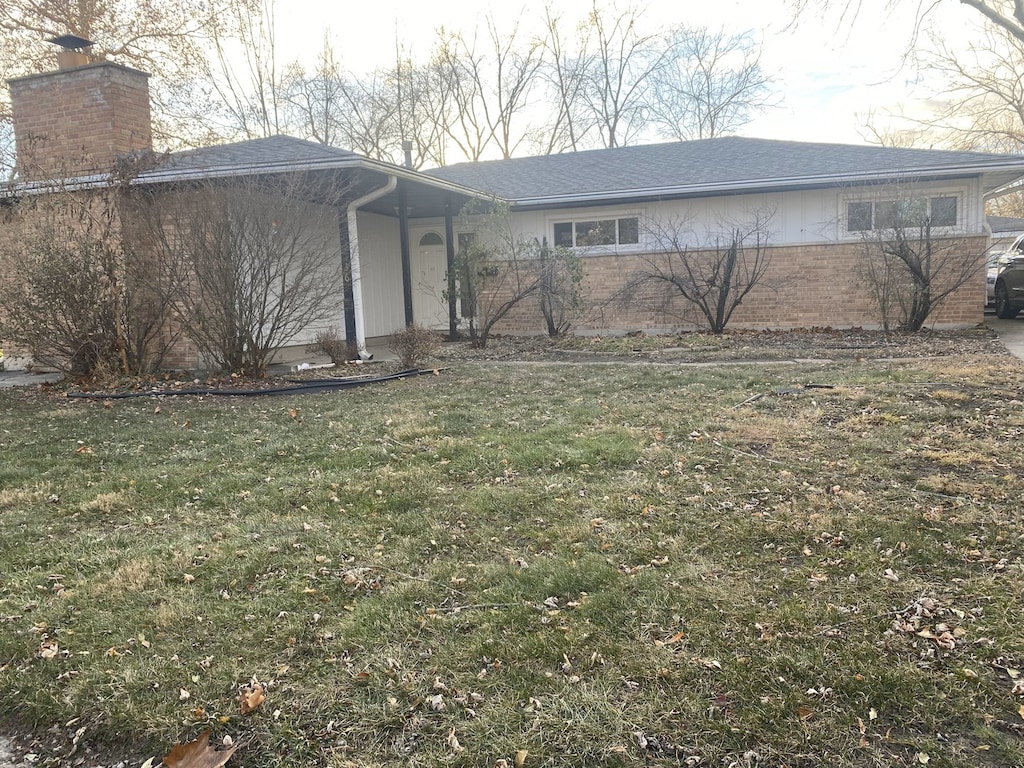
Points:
1009	288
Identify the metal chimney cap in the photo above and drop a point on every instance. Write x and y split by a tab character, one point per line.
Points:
71	42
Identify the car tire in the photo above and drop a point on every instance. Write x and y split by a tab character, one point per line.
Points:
1004	309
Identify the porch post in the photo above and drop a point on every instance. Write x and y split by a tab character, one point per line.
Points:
348	301
449	253
403	231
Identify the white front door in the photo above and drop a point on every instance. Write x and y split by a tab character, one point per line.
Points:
429	282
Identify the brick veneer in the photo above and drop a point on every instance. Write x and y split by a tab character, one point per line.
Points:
79	120
806	286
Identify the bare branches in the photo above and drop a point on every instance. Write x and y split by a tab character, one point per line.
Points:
246	267
1008	16
75	289
618	79
711	85
498	270
713	277
908	268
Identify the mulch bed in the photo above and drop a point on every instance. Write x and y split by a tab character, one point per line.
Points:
683	348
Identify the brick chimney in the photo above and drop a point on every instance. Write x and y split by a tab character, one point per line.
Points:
79	118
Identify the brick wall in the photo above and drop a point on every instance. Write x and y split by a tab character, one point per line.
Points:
806	286
79	120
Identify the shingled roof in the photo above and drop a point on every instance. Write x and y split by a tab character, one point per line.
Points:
727	165
268	154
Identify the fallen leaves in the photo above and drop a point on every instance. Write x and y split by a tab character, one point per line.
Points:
674	639
912	620
198	754
251	695
48	649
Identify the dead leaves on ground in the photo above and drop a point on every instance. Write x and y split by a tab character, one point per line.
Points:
199	753
251	696
918	619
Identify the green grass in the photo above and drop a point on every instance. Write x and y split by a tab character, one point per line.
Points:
602	565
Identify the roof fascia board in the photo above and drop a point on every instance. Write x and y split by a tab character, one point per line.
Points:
170	175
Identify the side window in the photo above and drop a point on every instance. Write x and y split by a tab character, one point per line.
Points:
563	234
858	217
629	231
865	216
589	232
943	211
595	232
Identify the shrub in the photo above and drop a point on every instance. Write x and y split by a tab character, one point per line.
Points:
332	344
413	344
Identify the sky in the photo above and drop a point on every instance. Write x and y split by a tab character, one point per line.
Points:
828	77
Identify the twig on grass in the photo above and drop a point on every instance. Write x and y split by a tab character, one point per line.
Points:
742	453
474	607
750	399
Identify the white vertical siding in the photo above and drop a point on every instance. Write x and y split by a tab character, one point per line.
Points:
320	231
380	258
809	217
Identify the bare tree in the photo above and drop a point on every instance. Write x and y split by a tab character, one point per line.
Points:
565	73
497	270
712	278
456	61
247	266
315	102
166	38
75	291
428	111
242	66
709	85
561	273
983	108
514	75
908	268
616	96
488	89
1005	14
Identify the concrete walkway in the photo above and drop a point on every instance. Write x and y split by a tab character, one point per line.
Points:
25	379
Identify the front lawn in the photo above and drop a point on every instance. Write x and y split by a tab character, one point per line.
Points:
528	564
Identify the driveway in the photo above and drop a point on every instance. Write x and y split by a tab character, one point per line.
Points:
1010	333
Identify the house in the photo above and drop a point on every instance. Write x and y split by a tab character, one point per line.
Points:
396	230
1005	230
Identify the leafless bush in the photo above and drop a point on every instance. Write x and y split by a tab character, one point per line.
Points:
74	292
333	345
713	278
247	265
413	344
499	269
909	271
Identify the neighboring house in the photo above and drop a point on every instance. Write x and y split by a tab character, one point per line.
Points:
399	229
1005	230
